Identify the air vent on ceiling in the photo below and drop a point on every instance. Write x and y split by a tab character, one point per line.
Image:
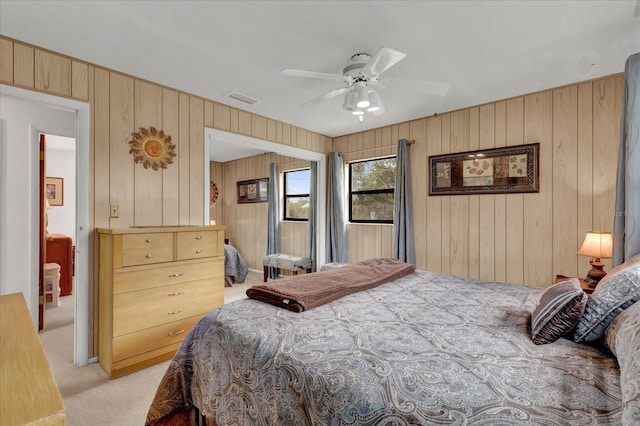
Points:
241	98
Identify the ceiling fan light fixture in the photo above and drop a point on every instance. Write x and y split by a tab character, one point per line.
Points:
349	101
358	112
363	95
374	102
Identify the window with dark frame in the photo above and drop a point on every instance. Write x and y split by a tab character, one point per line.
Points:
296	195
371	190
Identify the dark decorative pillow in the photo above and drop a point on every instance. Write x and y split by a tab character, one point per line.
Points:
558	311
618	290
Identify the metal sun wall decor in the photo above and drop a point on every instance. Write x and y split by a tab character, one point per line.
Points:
489	171
152	148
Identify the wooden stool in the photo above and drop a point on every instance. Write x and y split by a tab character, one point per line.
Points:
52	282
285	261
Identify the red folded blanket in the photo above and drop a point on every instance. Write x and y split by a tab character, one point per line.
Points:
301	292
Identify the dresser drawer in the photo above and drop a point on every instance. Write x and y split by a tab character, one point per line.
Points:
139	278
138	310
143	249
137	343
198	244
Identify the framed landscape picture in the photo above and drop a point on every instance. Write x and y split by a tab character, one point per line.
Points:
488	171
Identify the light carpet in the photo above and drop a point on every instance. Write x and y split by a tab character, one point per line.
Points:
89	396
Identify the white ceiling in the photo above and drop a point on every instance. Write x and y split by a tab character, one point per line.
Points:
486	50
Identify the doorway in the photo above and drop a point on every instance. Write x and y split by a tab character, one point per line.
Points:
60	193
24	115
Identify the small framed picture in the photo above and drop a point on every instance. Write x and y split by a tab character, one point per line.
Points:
54	190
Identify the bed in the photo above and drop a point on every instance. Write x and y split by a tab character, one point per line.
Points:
426	348
235	268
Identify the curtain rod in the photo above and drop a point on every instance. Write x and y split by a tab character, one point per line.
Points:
409	142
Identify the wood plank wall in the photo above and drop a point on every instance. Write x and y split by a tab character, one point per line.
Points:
519	238
121	104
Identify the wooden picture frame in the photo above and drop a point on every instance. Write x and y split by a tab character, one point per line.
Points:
54	190
489	171
253	190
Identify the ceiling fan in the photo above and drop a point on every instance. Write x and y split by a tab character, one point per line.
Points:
361	76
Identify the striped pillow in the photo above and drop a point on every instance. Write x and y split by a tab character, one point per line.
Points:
558	312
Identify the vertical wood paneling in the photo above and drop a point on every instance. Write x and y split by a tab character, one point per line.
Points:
6	61
418	169
52	73
23	65
208	114
244	122
147	183
486	203
79	80
221	116
121	124
196	153
565	180
500	201
171	175
434	204
183	159
538	209
584	165
272	131
446	201
514	222
460	203
259	127
101	149
474	200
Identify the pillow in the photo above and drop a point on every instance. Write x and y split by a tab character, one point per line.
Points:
558	311
623	338
618	290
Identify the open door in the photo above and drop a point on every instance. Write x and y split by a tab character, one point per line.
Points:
43	236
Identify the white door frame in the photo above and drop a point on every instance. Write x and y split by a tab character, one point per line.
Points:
81	287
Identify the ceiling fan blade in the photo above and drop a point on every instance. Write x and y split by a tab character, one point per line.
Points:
311	74
382	61
326	96
420	86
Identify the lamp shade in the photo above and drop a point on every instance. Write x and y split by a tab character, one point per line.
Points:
597	244
362	95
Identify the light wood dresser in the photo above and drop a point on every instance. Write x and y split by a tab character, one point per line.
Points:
155	284
29	394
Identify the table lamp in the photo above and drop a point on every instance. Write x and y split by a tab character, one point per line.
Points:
596	245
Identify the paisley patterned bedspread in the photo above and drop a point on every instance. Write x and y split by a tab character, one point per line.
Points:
425	349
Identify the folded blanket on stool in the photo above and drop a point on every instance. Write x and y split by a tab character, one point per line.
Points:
301	292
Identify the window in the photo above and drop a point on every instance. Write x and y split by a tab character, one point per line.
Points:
296	195
371	187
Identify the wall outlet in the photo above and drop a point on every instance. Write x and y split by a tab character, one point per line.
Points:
114	210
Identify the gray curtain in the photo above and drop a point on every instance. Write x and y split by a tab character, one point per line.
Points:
313	200
403	241
273	217
626	224
336	248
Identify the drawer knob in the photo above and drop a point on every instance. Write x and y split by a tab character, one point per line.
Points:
198	237
198	251
177	293
148	256
177	274
175	333
174	312
148	240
